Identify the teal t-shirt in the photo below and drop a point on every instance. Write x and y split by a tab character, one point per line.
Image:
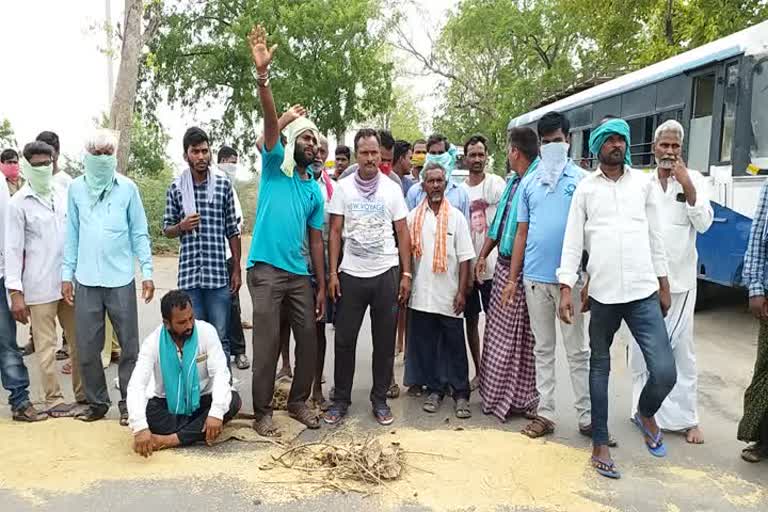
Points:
287	208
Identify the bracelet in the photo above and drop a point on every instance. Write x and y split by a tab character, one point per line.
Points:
263	83
407	274
12	292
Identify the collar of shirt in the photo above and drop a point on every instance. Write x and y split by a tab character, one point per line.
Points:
599	172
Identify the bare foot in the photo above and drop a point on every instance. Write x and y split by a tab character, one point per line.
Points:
694	435
161	442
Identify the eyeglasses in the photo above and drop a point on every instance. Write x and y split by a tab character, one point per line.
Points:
40	164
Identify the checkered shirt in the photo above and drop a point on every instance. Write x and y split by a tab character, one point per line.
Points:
755	257
203	258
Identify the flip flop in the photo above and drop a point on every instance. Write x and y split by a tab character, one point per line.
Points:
657	448
61	411
607	468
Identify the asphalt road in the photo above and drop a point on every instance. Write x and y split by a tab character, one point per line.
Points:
726	344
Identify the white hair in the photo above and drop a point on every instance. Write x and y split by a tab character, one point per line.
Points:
102	139
669	125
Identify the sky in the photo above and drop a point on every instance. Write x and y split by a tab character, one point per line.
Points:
60	80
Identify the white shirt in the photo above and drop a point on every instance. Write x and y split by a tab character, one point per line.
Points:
434	292
369	239
35	233
238	211
63	179
483	202
211	369
617	223
5	197
680	222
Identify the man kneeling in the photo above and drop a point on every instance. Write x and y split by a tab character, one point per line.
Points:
184	363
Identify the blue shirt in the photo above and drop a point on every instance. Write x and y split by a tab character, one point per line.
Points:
547	215
455	194
756	256
203	255
287	207
103	238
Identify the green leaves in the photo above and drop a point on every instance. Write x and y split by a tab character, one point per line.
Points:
328	59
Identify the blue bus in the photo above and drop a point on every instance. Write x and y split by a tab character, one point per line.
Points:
719	92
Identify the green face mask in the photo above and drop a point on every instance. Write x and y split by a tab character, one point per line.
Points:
39	178
99	173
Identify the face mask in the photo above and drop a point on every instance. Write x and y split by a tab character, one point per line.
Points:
39	178
445	160
385	167
99	173
555	154
11	171
229	169
418	160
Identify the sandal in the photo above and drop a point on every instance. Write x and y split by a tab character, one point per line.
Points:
334	414
461	409
538	427
305	416
432	403
265	428
393	391
607	468
383	414
755	452
415	391
587	432
656	446
61	411
92	413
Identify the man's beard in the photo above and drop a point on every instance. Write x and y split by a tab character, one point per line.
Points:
184	335
301	158
615	157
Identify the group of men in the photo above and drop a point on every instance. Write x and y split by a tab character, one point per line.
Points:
392	234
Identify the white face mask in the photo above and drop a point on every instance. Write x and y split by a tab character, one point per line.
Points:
229	169
555	154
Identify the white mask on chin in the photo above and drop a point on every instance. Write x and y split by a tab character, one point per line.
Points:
229	169
554	157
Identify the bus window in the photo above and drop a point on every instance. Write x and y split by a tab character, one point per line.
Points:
641	135
729	111
759	150
577	141
700	131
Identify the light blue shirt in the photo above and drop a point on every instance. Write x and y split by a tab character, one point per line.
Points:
547	215
455	194
104	238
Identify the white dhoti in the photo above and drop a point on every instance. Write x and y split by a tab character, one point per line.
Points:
679	410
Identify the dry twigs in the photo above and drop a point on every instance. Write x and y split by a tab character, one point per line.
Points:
338	462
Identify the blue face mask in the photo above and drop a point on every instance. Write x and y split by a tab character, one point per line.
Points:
445	160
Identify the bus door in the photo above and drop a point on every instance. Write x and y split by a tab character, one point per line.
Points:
701	116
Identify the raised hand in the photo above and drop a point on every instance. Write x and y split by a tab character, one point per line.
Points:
262	56
293	114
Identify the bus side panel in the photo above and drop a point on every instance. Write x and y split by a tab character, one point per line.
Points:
721	249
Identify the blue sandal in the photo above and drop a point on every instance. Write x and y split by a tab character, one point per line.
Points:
607	468
657	447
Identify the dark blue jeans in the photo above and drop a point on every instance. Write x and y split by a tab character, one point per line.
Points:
646	323
12	370
215	307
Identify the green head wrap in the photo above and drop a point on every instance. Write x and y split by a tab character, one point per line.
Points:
601	133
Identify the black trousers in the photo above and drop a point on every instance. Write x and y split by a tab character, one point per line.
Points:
236	334
436	352
357	294
188	428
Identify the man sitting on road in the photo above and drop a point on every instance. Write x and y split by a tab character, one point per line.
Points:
192	398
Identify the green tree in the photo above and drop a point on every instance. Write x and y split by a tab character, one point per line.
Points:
501	58
7	135
404	117
329	60
148	156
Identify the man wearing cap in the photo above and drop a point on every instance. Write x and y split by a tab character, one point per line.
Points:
290	206
615	216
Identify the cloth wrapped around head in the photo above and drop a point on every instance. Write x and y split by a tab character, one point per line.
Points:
445	160
601	133
292	132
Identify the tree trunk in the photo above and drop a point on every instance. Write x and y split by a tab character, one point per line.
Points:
121	111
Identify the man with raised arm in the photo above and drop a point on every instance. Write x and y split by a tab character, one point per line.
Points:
290	206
